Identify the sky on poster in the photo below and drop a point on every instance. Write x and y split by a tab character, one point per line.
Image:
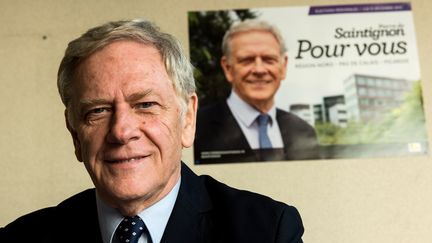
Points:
308	85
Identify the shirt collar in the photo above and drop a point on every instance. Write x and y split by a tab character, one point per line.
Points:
246	113
155	217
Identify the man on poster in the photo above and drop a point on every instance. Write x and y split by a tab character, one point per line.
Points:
247	126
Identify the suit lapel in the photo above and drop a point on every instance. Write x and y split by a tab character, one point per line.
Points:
189	219
284	129
80	212
230	128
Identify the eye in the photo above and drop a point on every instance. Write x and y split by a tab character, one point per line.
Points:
247	60
270	60
96	113
98	110
145	105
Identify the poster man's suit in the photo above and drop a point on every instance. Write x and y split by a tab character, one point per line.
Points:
219	138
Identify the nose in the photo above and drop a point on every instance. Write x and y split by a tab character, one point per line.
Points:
258	67
124	127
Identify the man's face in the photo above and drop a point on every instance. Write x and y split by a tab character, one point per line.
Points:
255	67
127	124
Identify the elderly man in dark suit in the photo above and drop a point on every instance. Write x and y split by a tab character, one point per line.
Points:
131	105
247	126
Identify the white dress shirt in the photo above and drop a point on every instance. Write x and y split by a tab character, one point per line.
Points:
155	217
246	115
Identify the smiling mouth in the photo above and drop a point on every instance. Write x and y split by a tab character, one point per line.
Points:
127	160
258	81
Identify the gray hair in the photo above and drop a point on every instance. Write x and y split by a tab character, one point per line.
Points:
251	25
178	66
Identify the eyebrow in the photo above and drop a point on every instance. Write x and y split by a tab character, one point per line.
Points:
92	102
138	95
242	57
100	101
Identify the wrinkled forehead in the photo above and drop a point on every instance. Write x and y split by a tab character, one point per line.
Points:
253	32
124	66
254	41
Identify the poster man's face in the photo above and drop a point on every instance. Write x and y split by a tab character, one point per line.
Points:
255	67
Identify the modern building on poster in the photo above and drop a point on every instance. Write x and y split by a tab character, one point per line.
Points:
318	111
330	101
331	110
304	111
365	98
338	115
368	97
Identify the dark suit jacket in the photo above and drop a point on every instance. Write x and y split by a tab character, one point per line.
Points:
220	139
205	211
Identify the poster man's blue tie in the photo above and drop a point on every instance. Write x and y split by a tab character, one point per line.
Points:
264	140
130	230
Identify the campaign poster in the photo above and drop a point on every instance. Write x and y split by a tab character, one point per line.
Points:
352	74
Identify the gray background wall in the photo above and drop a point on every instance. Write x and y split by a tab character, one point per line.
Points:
355	200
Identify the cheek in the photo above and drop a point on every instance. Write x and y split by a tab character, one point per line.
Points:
92	143
166	138
165	133
243	71
279	72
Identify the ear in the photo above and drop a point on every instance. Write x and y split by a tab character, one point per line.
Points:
284	66
226	66
75	139
189	122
